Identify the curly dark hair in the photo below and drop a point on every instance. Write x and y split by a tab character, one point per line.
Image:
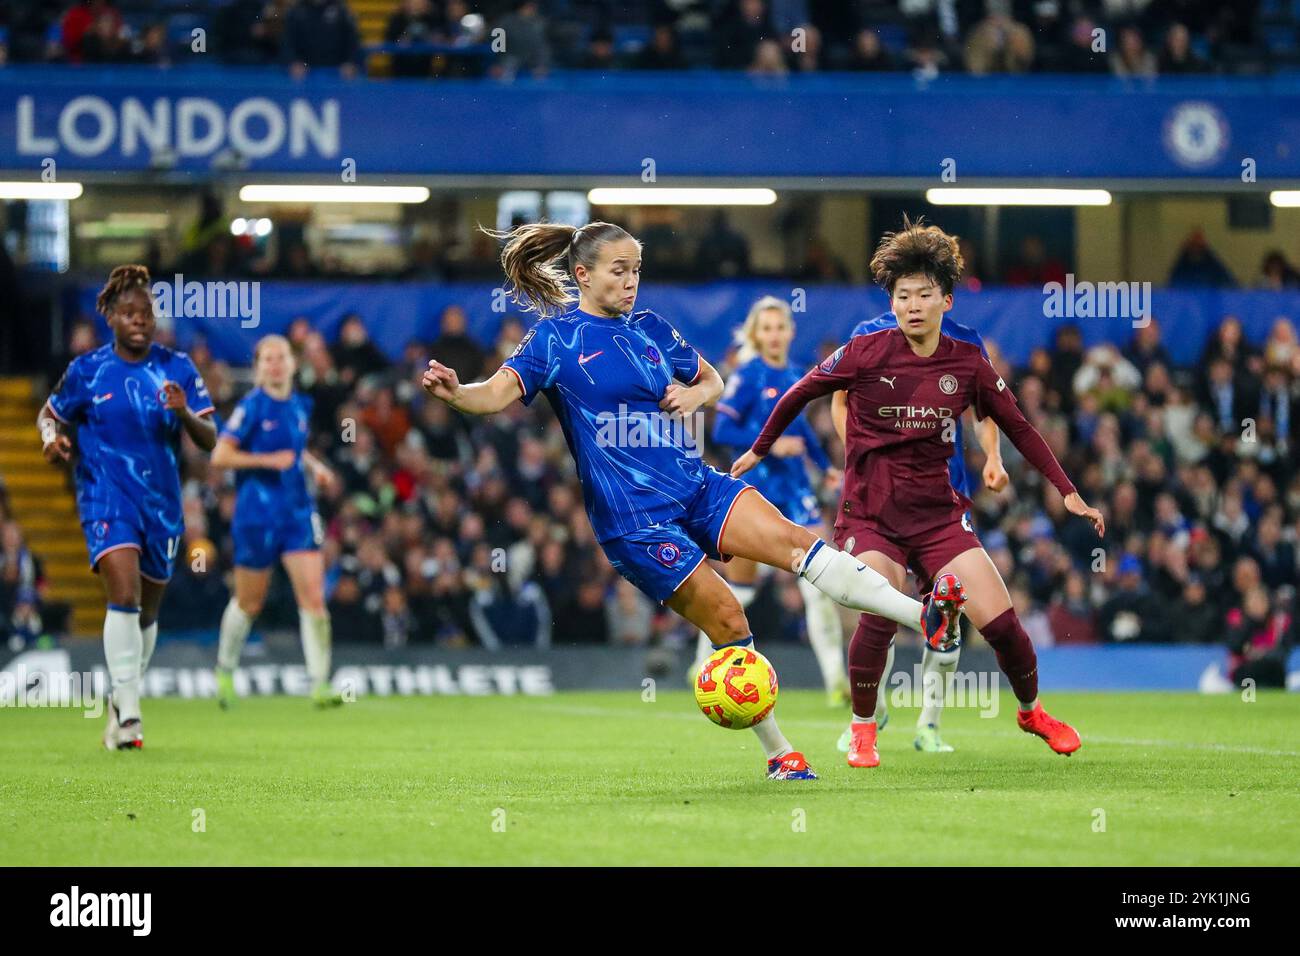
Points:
121	279
917	249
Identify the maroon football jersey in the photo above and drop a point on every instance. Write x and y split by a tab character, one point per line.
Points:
902	417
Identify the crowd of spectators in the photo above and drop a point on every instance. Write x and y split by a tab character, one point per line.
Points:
428	38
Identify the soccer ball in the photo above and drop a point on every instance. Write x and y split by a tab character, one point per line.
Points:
736	687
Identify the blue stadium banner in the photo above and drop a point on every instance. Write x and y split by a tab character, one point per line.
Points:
839	126
1016	320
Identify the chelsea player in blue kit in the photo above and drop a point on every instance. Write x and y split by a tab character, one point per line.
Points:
129	402
624	387
265	443
761	378
936	664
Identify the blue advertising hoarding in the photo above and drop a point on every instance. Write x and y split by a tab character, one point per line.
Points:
829	125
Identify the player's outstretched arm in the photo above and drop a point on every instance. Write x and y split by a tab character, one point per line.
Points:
996	401
480	398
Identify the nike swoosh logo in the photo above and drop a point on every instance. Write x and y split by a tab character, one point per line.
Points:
584	359
102	398
862	567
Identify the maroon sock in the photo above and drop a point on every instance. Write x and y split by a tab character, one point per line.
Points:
868	652
1015	654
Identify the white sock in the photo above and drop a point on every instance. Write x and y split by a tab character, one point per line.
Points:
846	581
123	644
882	699
1026	708
825	634
315	632
148	641
862	720
235	625
936	667
770	736
703	646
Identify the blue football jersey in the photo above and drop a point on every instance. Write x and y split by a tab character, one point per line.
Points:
962	333
259	424
752	392
127	442
605	378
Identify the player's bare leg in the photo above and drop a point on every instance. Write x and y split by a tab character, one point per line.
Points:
741	575
705	600
119	571
758	531
236	621
988	606
306	570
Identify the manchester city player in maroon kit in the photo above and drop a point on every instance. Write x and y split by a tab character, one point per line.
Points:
907	387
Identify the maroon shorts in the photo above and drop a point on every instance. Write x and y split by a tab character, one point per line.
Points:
925	554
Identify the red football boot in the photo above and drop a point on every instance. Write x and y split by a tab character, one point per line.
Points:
862	751
1059	735
792	766
941	611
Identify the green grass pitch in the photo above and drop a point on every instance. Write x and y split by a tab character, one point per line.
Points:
604	778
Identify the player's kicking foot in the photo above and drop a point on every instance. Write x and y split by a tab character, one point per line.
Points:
323	695
862	746
122	735
226	695
928	740
846	738
1059	735
792	766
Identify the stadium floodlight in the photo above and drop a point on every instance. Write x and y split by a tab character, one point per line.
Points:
1017	197
680	196
19	190
287	193
1285	198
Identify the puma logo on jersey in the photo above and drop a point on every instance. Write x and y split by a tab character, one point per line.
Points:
102	398
889	381
584	359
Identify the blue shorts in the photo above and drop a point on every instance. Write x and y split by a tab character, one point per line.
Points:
660	558
259	546
157	548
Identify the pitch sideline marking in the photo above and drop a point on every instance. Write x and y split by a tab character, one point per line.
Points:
590	711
